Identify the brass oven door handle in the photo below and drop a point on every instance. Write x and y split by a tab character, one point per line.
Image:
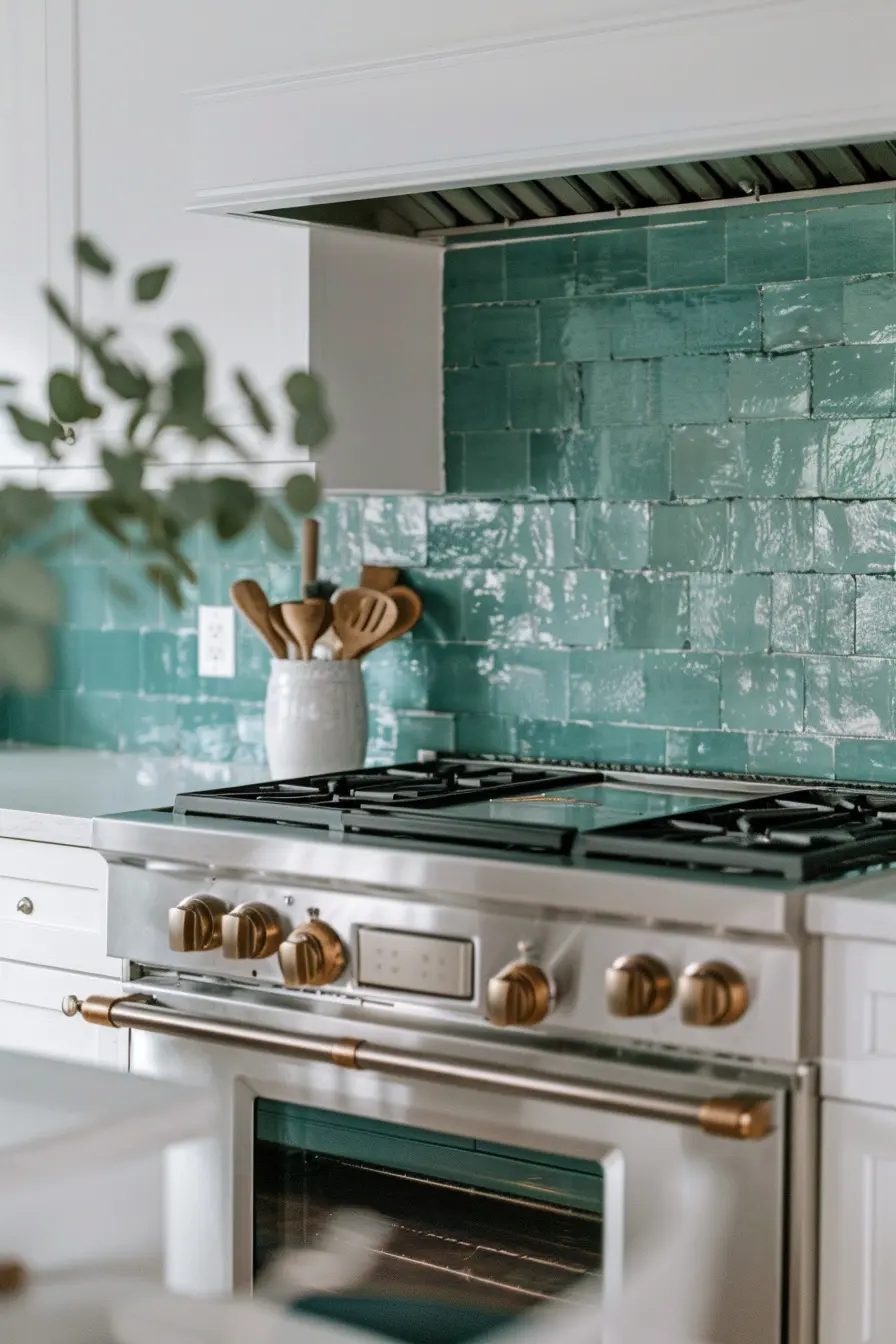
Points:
729	1117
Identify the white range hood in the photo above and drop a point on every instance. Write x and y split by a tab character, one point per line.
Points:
537	111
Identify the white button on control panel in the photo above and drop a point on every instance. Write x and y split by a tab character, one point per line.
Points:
415	963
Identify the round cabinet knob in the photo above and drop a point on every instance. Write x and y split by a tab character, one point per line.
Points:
712	994
250	932
25	906
312	955
638	986
519	996
195	924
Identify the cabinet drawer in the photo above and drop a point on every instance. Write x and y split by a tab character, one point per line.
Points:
859	1021
53	907
32	1020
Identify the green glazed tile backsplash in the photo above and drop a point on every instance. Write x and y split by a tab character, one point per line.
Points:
668	537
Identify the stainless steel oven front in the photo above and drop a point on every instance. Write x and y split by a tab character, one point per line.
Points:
509	1167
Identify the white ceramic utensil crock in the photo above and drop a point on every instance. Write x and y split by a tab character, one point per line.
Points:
315	717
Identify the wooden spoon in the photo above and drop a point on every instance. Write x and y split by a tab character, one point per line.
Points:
361	617
248	597
279	625
306	622
379	577
410	609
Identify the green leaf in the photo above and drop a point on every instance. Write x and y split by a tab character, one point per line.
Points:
311	422
141	411
168	582
25	663
302	493
23	510
105	512
233	504
189	346
186	400
149	284
9	382
260	413
277	527
68	401
189	500
125	471
302	390
127	382
29	591
33	430
89	254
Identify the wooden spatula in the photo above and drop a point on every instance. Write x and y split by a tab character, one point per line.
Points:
279	625
410	609
306	621
361	617
379	577
248	597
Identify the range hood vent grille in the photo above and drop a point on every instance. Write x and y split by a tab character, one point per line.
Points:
445	211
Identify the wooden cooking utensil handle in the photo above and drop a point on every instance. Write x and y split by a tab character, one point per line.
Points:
249	598
310	537
378	577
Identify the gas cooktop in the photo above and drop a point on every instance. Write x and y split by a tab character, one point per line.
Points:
788	830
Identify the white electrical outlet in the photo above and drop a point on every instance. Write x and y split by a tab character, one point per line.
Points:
217	642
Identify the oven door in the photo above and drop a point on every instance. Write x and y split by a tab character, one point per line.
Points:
506	1170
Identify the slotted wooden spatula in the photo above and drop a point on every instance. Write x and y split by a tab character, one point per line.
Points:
410	609
306	622
361	617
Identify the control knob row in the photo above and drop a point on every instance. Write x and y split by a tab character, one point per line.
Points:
311	955
710	993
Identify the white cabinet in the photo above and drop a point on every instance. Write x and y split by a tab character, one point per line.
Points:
859	1021
857	1303
31	1017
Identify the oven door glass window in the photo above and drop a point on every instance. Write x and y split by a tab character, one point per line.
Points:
473	1233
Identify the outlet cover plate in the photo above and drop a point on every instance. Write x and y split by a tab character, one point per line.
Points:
217	642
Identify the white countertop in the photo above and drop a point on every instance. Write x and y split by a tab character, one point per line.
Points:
52	794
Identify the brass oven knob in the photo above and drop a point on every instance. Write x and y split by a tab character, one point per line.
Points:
638	986
712	994
312	955
250	932
519	996
195	924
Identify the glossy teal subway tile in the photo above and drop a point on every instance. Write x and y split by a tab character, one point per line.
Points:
565	463
487	734
398	735
854	380
800	316
722	320
398	674
131	601
538	534
856	240
861	459
35	719
474	275
457	337
534	682
504	334
571	606
612	535
646	326
689	536
544	396
393	530
461	678
496	608
454	464
731	612
82	588
869	310
475	399
168	663
496	463
708	461
855	538
575	329
762	694
109	660
465	532
543	270
635	462
783	457
612	260
147	726
65	646
441	595
850	697
813	613
692	389
382	736
790	754
207	729
617	744
648	611
340	548
91	719
717	751
876	615
771	534
682	690
607	685
550	740
768	387
617	392
689	252
766	247
857	758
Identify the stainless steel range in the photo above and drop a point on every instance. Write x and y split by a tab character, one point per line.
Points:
536	1005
